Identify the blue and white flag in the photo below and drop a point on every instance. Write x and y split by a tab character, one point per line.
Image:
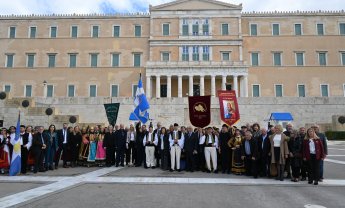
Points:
141	105
16	161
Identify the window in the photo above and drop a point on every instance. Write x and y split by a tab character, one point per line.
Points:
164	90
32	33
342	54
300	59
53	31
320	29
12	32
256	90
70	90
298	29
51	60
95	31
342	28
205	53
195	53
137	59
225	29
31	60
228	87
253	29
225	56
324	90
115	62
74	31
196	90
195	28
185	53
9	60
322	58
255	59
28	91
114	91
301	90
7	88
275	29
277	58
165	56
116	32
137	30
205	28
94	59
93	90
279	90
134	90
166	29
50	90
185	29
72	60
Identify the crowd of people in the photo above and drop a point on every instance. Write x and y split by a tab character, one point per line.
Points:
297	154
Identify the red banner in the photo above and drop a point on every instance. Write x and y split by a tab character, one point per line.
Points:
200	110
229	112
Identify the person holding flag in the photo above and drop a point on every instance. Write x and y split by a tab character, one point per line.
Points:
16	161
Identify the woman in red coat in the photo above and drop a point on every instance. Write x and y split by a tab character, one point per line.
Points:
313	153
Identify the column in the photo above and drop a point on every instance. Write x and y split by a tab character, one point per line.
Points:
179	90
224	82
148	86
191	85
245	86
235	87
213	85
202	85
169	86
158	86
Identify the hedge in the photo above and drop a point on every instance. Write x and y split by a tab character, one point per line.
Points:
335	135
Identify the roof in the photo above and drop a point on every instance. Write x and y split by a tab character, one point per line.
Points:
281	117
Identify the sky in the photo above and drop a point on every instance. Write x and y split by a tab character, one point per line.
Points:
8	7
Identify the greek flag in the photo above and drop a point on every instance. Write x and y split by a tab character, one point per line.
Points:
141	105
15	166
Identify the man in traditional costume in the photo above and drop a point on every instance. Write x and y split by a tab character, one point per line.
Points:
176	139
211	144
150	142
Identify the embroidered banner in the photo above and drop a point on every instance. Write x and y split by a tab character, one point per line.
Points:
200	110
112	111
229	112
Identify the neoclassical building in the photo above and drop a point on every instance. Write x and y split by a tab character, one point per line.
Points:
181	48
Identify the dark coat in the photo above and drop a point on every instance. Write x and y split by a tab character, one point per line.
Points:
37	142
120	139
109	140
264	149
191	142
61	138
166	143
253	148
320	154
223	141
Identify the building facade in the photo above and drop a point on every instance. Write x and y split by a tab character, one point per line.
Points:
182	48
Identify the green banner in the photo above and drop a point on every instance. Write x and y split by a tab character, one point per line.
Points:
112	110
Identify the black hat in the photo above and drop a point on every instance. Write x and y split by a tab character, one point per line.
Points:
244	127
12	127
224	125
175	124
209	127
22	126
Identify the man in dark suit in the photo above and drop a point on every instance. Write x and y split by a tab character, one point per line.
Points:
63	143
225	150
120	145
250	154
109	146
141	132
264	148
38	148
201	151
157	151
191	145
163	146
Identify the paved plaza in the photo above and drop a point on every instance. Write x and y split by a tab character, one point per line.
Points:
139	187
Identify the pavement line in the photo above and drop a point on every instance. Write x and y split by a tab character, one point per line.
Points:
335	161
164	180
335	149
25	196
335	155
32	178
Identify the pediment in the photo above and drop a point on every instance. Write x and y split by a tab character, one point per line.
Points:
183	5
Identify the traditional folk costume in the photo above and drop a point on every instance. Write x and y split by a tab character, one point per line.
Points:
84	148
176	139
211	145
150	142
100	153
52	147
92	147
5	158
26	142
237	163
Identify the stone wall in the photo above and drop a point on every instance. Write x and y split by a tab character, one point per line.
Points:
170	110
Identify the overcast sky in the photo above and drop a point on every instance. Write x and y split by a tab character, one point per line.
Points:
113	6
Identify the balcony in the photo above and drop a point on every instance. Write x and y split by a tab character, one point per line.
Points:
154	64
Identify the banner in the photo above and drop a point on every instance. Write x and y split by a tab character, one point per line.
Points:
200	110
112	110
141	105
229	112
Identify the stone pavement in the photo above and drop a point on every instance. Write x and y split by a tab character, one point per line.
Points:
139	187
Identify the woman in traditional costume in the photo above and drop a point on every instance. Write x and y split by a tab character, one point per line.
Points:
84	147
93	136
235	144
100	153
5	158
